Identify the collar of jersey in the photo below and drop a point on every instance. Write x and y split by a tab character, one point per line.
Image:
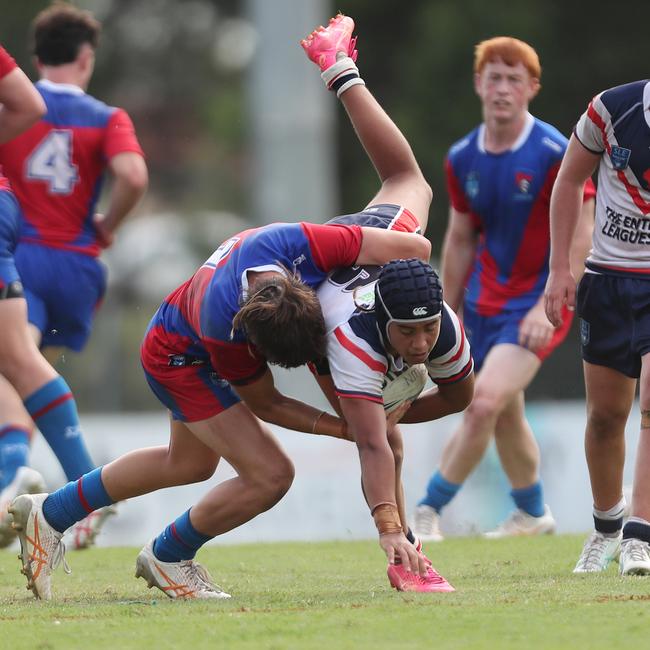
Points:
60	88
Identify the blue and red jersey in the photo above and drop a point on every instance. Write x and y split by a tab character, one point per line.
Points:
7	64
56	168
507	195
196	319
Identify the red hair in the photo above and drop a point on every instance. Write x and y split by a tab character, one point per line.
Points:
511	50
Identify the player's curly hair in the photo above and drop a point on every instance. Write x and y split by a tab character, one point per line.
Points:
282	318
60	30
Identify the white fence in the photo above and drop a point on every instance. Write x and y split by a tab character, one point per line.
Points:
325	501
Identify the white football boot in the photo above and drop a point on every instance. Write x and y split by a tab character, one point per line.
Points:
598	552
426	524
635	557
185	579
26	481
41	548
520	523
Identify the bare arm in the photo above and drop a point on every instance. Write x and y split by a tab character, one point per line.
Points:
458	251
390	153
577	166
270	405
367	424
21	107
380	246
130	180
440	401
582	239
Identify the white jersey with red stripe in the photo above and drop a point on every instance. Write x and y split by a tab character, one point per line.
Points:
617	125
357	358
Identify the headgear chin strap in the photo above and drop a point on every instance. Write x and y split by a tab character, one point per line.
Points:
408	292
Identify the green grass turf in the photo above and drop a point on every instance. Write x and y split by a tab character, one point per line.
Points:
516	593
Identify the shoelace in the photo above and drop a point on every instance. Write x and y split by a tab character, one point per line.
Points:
592	551
58	557
637	550
199	578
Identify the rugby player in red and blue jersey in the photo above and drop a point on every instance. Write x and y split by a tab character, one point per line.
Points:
205	356
495	264
57	169
44	394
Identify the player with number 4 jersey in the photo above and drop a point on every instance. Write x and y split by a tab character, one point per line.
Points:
57	169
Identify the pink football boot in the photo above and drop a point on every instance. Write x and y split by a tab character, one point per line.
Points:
324	43
403	580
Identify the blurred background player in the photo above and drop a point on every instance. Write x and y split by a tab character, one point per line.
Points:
613	304
44	394
380	322
251	302
56	170
495	264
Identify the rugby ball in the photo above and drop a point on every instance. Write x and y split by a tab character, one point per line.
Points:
404	386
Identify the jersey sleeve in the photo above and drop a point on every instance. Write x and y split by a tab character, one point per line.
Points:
120	135
237	363
357	370
457	197
590	129
333	245
7	63
453	363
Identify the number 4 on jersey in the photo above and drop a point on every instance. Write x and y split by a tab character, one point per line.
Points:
51	161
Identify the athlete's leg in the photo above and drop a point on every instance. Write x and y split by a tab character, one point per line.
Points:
609	399
402	181
507	370
641	493
515	442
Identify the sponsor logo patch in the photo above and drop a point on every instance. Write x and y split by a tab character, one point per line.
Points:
620	157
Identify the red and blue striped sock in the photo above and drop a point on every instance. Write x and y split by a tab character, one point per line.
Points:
179	541
76	500
54	411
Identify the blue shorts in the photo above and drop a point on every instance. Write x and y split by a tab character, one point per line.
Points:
9	229
484	332
63	289
614	321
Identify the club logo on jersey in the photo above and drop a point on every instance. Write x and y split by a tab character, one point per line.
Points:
471	185
364	297
523	181
620	157
420	311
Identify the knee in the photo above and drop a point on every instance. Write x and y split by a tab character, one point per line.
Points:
483	410
604	423
193	470
274	482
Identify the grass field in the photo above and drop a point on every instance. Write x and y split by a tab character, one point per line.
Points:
517	593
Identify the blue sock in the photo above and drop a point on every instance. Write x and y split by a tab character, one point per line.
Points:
14	452
439	492
76	500
530	499
54	411
179	541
